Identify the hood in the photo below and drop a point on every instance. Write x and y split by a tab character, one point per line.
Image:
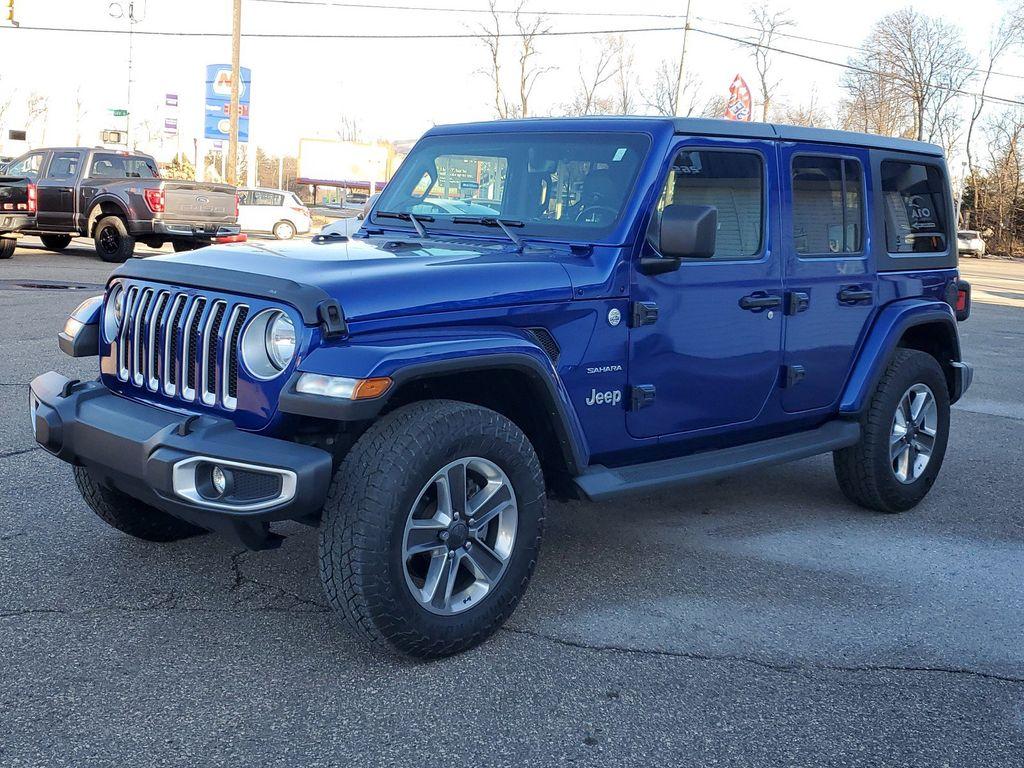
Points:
389	276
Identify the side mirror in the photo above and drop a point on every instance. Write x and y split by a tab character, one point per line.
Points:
687	231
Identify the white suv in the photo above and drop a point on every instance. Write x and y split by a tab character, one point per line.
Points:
274	211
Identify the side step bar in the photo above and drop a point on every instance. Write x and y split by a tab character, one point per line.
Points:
599	482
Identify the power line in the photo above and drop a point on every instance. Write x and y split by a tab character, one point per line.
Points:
486	11
513	34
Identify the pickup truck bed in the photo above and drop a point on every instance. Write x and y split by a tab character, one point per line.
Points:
113	197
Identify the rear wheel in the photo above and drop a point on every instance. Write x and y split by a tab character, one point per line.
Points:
7	246
904	431
113	242
130	515
284	230
55	242
432	528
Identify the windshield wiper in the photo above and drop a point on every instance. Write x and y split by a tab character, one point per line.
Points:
491	221
416	219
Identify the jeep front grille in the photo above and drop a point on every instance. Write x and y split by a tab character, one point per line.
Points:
172	342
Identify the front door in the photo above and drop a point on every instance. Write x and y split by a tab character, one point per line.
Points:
712	355
829	276
56	191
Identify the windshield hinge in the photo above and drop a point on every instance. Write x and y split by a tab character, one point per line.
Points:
332	319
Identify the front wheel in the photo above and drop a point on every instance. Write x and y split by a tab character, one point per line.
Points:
113	242
432	528
904	431
55	242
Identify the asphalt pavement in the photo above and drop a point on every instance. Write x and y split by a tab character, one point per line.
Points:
756	621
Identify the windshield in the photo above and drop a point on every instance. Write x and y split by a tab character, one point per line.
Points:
570	186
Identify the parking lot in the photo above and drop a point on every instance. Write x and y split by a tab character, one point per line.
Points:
760	620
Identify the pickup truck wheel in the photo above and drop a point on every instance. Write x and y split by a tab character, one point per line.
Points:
130	515
7	246
904	431
113	243
432	528
55	242
284	230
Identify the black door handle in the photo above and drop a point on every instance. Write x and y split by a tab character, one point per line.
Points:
755	302
853	294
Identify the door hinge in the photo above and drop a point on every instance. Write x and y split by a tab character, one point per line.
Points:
640	396
644	313
792	375
797	301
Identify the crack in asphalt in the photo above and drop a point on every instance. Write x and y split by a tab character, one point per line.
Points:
241	579
772	666
9	454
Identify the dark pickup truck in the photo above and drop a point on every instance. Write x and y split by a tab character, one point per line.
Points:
114	197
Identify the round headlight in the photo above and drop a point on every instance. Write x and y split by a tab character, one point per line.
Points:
268	343
280	341
112	312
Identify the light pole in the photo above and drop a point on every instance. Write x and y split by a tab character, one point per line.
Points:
116	11
236	76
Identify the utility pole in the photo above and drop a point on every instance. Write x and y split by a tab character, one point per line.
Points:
236	79
682	62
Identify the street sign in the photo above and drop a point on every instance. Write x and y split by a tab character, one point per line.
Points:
17	135
216	121
119	112
171	100
171	126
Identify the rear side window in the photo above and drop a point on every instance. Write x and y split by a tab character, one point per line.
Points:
731	182
828	205
64	165
915	207
111	166
27	166
260	197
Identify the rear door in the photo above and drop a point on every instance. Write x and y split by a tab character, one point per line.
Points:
830	279
712	355
56	190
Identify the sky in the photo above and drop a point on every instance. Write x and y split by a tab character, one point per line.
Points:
393	89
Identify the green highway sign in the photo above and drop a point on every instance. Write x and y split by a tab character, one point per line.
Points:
120	112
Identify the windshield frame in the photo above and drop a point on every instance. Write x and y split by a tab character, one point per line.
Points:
641	141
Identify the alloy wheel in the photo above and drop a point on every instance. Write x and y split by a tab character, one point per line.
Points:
913	433
459	535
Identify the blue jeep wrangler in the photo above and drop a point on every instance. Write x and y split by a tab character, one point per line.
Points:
584	307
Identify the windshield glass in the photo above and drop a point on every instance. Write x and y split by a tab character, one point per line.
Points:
559	185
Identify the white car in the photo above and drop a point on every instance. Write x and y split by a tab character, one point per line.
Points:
969	243
274	211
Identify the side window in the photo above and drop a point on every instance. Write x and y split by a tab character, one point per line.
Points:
732	182
27	166
915	207
265	198
63	166
245	197
107	167
828	205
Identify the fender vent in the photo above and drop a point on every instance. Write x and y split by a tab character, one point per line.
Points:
547	342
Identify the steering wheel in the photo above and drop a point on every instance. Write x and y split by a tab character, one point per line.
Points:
601	211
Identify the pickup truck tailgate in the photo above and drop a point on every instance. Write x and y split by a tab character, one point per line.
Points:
198	202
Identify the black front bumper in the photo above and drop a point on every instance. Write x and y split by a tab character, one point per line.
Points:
146	451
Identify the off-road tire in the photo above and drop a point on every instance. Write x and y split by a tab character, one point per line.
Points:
130	515
864	470
55	242
7	246
120	246
369	501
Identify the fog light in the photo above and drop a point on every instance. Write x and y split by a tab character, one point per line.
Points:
220	481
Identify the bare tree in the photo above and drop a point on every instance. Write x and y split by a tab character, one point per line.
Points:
37	110
80	112
625	80
925	60
1008	34
662	93
529	70
593	76
529	28
807	113
768	25
348	129
874	101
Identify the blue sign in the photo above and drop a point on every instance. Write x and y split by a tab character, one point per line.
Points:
217	117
